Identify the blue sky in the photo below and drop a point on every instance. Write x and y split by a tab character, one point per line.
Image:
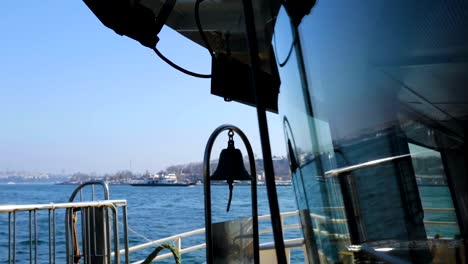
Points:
75	96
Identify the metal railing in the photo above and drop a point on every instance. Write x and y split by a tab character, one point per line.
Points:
95	227
426	210
177	239
36	225
31	213
298	242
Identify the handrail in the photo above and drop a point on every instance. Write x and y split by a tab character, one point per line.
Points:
445	223
285	214
382	256
36	220
371	163
104	185
289	243
428	209
51	206
336	172
162	240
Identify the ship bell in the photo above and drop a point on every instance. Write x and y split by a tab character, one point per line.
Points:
230	167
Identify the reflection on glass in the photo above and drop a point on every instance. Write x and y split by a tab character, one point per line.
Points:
439	214
379	89
233	241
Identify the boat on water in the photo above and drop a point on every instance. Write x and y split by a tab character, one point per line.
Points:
163	180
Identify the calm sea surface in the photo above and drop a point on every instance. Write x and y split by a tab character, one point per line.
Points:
153	213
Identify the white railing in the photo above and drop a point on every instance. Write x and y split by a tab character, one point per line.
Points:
37	214
177	239
426	210
319	220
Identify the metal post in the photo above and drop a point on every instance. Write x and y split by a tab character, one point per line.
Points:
264	137
253	192
49	225
68	235
108	236
35	236
9	237
30	238
54	234
207	185
125	230
179	244
84	226
116	235
14	237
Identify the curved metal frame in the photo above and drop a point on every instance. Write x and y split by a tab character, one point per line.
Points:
114	211
207	185
69	214
104	185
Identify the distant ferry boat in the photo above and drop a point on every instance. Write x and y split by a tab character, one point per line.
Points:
169	180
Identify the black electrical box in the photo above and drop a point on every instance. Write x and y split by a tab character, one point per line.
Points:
232	80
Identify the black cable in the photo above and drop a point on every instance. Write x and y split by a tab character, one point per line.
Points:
281	64
177	67
200	29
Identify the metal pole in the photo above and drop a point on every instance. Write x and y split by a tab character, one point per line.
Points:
207	184
253	191
125	229
30	237
35	236
84	226
53	234
116	235
14	237
49	225
9	237
264	137
108	236
68	226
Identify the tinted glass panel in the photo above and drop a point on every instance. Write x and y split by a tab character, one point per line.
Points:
440	220
370	90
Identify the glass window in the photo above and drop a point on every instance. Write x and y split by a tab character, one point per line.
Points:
376	115
440	220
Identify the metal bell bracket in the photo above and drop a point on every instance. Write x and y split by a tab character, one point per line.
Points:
230	168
